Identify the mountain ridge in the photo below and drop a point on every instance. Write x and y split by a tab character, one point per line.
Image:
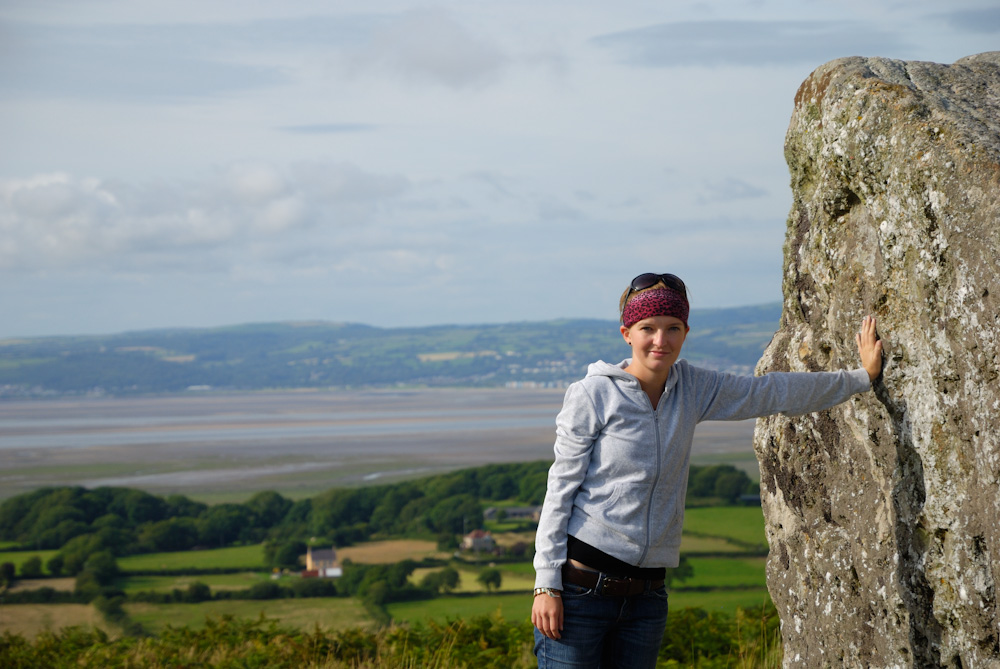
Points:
329	354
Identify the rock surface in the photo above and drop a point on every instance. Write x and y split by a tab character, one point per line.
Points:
883	514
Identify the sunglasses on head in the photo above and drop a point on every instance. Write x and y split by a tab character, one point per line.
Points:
649	279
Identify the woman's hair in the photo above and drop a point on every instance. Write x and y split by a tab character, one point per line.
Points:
675	284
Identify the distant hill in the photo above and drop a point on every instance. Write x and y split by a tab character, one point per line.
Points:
343	355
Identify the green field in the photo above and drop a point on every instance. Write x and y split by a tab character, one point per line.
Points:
517	607
17	558
513	607
240	581
236	557
326	613
692	544
744	524
716	541
726	572
726	601
520	580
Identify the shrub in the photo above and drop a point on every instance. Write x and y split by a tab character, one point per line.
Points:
7	571
32	567
266	590
55	565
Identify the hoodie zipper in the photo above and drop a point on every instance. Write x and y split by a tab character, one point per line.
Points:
656	479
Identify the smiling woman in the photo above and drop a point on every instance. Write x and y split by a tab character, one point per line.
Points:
614	507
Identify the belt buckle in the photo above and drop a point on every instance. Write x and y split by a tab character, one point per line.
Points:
606	581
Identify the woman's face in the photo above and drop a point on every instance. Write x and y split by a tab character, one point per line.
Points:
656	342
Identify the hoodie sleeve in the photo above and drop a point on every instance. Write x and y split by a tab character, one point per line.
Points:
577	426
732	397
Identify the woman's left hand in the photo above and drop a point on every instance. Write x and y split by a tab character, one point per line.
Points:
870	347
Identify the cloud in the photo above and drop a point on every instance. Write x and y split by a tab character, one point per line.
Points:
729	190
429	46
160	61
329	128
121	62
745	43
55	221
973	20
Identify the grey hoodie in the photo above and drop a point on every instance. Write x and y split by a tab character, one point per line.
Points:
620	473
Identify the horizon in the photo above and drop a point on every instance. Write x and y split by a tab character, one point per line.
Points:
308	322
406	164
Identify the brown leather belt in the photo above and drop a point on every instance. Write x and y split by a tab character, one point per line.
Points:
609	586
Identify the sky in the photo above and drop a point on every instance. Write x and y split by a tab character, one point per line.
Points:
199	163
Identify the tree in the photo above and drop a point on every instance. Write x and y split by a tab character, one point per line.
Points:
682	572
32	567
7	570
174	534
55	565
447	542
223	524
198	592
268	508
452	513
730	485
532	488
285	555
490	579
449	578
104	567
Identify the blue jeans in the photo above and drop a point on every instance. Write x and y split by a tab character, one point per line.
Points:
605	632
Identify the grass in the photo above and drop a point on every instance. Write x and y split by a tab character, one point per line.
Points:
235	557
31	619
328	613
513	607
517	606
726	572
511	580
743	524
17	558
719	600
391	551
242	580
252	557
691	544
64	584
522	568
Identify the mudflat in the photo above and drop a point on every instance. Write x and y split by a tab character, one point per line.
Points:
227	446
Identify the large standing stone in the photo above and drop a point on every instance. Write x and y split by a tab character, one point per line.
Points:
883	514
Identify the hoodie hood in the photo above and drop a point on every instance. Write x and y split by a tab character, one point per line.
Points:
618	374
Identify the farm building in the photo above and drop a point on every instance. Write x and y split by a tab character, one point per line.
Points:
322	563
479	541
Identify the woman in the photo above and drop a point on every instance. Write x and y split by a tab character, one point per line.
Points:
614	506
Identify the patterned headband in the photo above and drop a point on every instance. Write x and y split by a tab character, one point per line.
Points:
657	302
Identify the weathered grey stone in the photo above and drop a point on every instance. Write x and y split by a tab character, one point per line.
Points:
883	514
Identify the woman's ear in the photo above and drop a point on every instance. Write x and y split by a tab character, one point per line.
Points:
624	331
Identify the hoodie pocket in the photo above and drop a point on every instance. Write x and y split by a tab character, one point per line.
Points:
625	509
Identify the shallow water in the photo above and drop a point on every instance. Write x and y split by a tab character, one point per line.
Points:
282	440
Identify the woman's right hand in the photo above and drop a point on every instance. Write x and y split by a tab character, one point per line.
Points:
547	615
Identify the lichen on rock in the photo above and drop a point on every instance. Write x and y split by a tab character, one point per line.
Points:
883	514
